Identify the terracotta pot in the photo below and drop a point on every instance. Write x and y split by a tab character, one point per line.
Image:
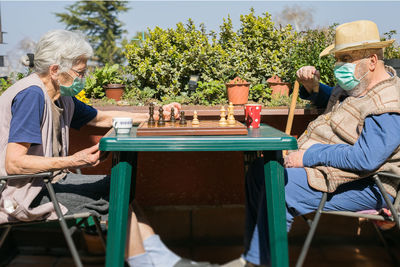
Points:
114	91
238	91
278	87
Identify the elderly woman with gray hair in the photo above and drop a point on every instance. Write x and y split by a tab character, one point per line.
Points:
35	116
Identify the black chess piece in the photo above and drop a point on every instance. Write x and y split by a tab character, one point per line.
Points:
183	120
172	114
161	121
151	120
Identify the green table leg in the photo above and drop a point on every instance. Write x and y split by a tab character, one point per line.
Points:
275	193
118	212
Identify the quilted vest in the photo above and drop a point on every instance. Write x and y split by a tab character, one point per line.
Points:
342	123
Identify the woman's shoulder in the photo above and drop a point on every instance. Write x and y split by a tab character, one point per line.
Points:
32	91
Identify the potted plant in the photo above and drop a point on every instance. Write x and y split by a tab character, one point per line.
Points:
106	81
238	91
278	87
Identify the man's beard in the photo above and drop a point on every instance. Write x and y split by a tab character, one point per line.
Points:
363	85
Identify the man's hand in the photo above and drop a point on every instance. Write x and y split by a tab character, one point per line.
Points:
88	157
294	160
309	77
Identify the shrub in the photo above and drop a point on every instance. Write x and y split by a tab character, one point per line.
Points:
260	50
260	93
162	63
167	58
209	93
392	51
4	84
309	45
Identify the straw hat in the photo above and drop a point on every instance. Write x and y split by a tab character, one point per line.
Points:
356	35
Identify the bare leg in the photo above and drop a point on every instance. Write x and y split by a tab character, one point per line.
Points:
134	242
135	252
144	225
160	255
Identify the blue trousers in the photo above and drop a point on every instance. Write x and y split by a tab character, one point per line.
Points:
301	199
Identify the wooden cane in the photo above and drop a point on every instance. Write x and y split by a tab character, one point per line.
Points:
289	122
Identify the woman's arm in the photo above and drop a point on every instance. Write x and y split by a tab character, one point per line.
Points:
104	118
19	162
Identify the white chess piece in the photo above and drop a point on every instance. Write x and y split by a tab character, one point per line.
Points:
195	120
222	121
231	118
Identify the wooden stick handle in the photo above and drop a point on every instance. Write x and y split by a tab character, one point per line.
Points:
295	94
289	123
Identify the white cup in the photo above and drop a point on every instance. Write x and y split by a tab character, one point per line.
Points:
122	125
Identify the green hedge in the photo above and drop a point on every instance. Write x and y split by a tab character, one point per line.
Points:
163	62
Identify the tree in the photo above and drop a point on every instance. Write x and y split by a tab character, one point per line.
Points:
98	20
301	18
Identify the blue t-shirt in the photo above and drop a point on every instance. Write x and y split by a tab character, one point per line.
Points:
27	112
378	140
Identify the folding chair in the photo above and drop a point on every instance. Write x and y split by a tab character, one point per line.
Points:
47	178
394	217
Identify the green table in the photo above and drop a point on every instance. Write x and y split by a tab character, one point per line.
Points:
265	139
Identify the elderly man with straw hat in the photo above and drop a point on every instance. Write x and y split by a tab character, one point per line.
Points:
356	137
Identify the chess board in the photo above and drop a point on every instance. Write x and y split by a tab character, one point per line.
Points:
206	127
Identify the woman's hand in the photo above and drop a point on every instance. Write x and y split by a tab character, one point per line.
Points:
88	157
167	111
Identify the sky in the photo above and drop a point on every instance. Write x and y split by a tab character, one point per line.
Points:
28	20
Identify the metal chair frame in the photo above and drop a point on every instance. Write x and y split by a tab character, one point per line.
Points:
68	232
393	207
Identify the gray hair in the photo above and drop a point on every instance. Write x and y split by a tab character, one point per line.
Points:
63	48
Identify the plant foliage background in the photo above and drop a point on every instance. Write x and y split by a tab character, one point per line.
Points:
164	61
161	61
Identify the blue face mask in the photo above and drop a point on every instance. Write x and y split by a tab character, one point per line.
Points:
74	89
344	74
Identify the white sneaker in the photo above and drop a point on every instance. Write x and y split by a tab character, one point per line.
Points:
236	263
241	263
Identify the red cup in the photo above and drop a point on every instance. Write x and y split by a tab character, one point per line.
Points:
252	115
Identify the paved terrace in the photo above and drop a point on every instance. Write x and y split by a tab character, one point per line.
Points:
337	242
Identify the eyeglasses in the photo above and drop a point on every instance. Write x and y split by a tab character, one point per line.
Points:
80	74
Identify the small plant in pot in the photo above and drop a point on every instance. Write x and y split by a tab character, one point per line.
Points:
105	81
238	91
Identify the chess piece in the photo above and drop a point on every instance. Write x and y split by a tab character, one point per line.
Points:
151	120
172	115
161	121
183	120
195	120
231	118
222	121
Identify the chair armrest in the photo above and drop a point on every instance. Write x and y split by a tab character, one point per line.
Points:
388	174
24	176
